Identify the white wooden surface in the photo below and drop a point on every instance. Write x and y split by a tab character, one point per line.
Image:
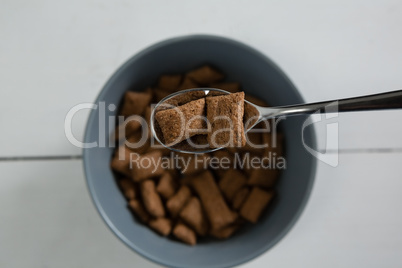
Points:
56	54
353	219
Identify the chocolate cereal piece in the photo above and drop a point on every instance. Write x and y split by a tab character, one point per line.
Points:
226	231
239	198
254	142
147	166
255	204
200	140
154	145
215	207
139	210
186	97
160	94
267	175
169	83
176	203
205	75
225	161
172	169
185	234
128	188
137	143
188	83
193	215
225	115
161	225
195	163
151	199
181	122
126	129
247	157
251	114
147	117
232	181
224	154
213	93
166	185
232	87
121	160
263	177
135	103
186	180
196	143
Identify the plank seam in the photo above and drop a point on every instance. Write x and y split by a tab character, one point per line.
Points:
40	158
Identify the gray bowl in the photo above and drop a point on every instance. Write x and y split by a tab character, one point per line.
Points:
258	76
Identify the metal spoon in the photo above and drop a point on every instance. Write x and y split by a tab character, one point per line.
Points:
256	114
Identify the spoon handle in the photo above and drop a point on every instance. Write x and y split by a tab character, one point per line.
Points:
381	101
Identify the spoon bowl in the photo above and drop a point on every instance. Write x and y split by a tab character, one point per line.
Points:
252	118
254	114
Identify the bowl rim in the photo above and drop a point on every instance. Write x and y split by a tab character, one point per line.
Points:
91	118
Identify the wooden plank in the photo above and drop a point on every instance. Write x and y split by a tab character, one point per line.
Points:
52	61
47	216
352	219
